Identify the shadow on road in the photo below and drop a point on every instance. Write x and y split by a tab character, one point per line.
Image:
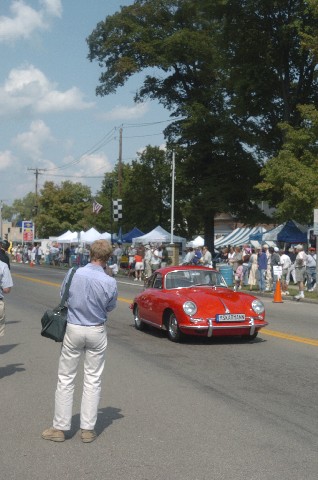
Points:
7	348
11	369
106	416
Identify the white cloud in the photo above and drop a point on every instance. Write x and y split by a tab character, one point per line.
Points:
31	142
52	7
93	165
60	101
6	159
25	20
127	113
28	88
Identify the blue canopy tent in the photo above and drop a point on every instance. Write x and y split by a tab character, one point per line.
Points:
128	237
288	232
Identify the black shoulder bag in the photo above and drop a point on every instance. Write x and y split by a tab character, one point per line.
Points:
54	321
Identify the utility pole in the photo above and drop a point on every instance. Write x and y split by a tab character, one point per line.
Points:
37	172
120	162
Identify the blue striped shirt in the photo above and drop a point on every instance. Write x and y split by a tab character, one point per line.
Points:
5	278
92	295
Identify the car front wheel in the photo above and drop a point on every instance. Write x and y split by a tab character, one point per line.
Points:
139	324
174	333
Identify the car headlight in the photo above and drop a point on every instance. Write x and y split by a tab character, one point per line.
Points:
258	306
190	308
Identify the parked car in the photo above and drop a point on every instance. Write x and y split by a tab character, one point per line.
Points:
192	300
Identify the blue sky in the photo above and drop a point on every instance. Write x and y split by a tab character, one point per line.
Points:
50	117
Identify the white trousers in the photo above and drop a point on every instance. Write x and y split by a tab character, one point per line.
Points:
2	318
92	341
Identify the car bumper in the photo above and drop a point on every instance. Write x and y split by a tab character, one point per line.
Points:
212	328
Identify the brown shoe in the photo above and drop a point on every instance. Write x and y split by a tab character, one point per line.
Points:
53	434
88	436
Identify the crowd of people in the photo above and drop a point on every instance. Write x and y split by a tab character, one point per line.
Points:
143	260
256	268
260	268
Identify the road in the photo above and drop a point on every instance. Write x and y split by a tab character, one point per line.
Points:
201	410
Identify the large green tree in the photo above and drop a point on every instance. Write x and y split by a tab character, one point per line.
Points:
290	179
271	66
177	44
63	207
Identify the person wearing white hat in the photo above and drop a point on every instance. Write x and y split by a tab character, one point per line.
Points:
300	270
268	275
147	261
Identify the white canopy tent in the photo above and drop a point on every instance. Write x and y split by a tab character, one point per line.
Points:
90	236
158	235
197	242
69	237
82	237
105	236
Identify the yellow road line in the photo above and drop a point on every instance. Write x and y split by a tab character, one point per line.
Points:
287	336
52	284
264	331
36	280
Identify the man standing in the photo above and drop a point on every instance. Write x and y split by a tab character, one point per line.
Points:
5	287
262	268
311	269
300	270
92	295
147	261
206	259
4	244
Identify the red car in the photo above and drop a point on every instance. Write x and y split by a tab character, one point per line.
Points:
191	300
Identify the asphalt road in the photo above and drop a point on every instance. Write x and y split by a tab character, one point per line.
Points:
201	410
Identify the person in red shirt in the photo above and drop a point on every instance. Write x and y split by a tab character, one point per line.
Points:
139	267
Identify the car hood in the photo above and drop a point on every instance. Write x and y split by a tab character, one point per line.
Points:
219	299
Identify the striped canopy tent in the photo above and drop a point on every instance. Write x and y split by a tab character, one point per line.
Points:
239	236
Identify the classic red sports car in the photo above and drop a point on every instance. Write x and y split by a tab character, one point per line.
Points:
196	301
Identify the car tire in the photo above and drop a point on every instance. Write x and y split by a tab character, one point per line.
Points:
139	324
174	333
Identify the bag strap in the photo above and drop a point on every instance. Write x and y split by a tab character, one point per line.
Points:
67	288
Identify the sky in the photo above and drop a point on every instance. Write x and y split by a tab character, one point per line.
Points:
50	116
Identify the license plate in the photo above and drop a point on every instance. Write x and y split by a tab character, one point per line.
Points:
231	317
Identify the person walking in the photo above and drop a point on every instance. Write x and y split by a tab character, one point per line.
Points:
262	267
300	270
252	278
139	266
4	244
206	258
92	295
6	284
311	269
286	264
275	262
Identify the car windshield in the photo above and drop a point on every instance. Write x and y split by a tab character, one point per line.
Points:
191	278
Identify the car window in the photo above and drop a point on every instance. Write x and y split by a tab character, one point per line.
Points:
157	283
188	278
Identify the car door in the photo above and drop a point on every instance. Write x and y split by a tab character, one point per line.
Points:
151	301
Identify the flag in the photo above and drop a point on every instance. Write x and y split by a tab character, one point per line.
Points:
96	207
117	209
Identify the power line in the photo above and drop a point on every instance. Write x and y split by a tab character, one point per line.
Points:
97	146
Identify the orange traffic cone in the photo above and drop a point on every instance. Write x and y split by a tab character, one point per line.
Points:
278	293
31	264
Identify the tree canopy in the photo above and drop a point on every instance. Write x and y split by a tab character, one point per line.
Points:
290	180
229	72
